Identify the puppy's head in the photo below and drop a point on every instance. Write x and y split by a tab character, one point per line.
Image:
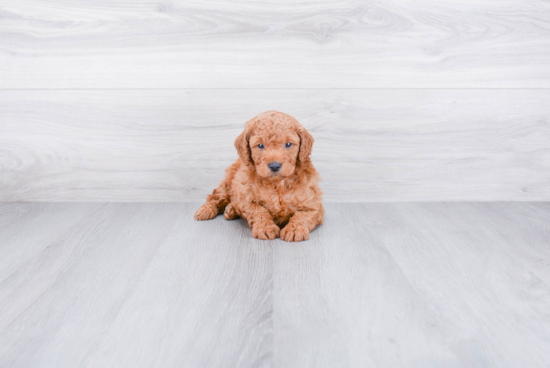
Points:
274	143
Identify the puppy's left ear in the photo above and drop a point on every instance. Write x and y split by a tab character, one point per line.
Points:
241	144
306	144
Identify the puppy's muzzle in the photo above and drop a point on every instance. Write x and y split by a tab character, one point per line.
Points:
274	166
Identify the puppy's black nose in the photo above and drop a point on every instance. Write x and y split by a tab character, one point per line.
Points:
274	166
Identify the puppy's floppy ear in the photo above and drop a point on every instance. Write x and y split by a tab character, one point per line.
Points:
306	144
241	144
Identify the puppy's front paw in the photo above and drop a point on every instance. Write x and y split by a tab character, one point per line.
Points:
206	212
265	231
294	233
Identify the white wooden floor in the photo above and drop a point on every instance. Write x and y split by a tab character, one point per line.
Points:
378	285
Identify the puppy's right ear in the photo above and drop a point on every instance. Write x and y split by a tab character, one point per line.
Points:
243	148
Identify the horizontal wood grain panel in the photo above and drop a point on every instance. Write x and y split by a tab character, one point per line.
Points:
274	44
371	145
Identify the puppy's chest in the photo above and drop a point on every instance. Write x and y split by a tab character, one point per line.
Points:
280	204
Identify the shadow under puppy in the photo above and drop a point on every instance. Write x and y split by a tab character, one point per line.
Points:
273	184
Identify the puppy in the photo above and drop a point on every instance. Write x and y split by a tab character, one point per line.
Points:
273	184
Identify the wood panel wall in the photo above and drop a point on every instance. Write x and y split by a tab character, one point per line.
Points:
407	100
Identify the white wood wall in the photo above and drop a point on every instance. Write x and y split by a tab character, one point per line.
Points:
119	100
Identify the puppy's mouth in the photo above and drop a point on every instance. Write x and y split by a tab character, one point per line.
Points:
275	175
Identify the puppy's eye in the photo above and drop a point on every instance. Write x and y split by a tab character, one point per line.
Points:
260	146
288	145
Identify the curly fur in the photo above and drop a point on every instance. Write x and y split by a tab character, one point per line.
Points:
286	203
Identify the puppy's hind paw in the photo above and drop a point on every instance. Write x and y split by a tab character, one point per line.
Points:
206	212
230	212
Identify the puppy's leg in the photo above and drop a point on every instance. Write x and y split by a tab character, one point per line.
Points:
301	224
261	221
230	212
216	202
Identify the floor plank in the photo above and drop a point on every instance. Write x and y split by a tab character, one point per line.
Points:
275	44
133	285
27	229
474	277
416	285
341	300
385	285
203	301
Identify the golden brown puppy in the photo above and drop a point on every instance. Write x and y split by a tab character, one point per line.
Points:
273	184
